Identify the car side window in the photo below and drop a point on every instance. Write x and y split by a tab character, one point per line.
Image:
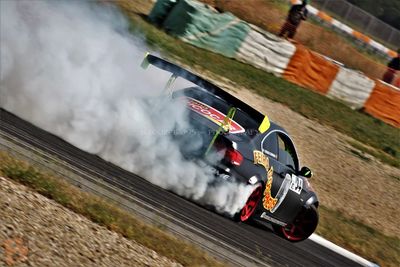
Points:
270	145
287	153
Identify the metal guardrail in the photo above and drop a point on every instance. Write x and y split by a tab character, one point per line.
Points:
365	29
361	20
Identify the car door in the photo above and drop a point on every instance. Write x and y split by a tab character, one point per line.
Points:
287	187
280	201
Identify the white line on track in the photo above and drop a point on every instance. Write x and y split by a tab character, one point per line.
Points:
345	253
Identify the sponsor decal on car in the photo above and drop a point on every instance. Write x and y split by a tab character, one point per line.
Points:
260	158
269	201
220	174
212	114
296	185
269	218
290	182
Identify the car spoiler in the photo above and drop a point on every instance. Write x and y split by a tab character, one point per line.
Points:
178	71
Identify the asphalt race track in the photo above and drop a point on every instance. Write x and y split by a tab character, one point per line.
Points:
261	244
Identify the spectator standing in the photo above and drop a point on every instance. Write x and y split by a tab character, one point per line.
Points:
297	13
393	68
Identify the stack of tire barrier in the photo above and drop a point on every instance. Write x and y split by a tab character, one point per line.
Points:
223	33
200	25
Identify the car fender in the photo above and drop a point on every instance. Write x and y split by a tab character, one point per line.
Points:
311	200
258	173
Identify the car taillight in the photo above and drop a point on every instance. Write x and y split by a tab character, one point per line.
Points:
233	156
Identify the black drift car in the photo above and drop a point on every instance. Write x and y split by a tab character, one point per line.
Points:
242	145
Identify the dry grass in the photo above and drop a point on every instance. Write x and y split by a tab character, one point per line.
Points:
103	213
270	15
136	6
359	238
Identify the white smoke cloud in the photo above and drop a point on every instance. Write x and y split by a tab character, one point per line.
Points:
72	68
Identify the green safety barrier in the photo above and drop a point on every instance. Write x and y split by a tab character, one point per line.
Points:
200	25
160	11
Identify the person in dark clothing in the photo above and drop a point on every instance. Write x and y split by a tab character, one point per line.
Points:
297	13
393	67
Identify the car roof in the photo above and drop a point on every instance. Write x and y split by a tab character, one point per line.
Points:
275	127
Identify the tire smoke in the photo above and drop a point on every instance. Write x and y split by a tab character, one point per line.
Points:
72	68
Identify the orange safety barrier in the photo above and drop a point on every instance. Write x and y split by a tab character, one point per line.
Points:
310	69
392	53
361	37
384	103
325	16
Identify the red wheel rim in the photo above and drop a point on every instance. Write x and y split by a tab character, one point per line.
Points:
251	204
302	227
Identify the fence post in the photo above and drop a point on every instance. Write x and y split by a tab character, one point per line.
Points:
324	4
348	13
390	36
371	19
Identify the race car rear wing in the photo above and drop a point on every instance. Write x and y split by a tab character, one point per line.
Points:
178	71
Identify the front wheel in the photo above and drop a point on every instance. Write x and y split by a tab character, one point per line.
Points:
302	226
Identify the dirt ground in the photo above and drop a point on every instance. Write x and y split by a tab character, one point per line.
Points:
37	231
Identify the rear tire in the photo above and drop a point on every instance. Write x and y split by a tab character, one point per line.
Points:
302	226
251	204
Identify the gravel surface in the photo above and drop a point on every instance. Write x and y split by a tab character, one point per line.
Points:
36	231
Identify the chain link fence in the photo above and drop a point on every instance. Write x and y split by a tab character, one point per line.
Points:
360	20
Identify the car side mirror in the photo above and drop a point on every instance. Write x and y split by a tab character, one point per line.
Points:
306	172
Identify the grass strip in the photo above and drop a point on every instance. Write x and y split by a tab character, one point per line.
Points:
359	238
343	231
103	213
376	153
356	124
